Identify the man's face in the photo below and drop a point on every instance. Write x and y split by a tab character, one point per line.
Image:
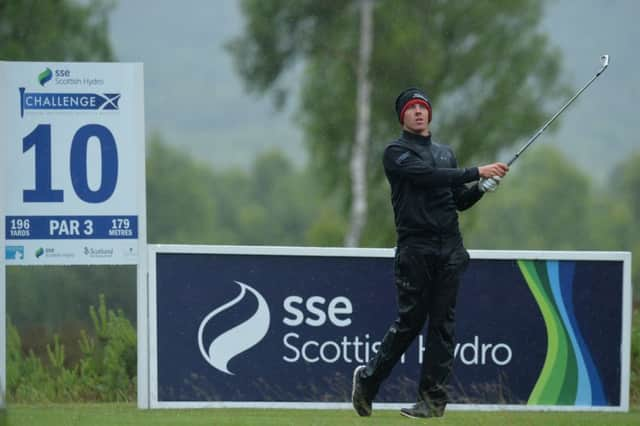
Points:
416	119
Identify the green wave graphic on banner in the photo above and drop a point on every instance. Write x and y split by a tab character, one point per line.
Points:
558	380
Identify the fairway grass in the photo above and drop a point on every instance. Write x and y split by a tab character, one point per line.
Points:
128	414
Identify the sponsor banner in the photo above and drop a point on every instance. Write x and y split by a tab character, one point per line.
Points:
73	162
543	330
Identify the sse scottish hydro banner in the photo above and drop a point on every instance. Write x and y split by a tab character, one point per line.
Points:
72	145
285	327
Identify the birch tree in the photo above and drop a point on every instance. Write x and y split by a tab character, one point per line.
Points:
363	133
492	75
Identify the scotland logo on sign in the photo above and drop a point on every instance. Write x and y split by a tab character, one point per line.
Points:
14	252
219	352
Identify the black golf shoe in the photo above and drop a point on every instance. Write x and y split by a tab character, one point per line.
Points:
422	410
359	398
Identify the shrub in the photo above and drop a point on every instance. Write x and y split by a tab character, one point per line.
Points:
106	372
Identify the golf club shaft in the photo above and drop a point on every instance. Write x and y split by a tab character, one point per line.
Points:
605	64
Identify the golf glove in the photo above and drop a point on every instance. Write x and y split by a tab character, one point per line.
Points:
490	184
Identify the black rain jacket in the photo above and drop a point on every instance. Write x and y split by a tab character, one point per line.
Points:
427	190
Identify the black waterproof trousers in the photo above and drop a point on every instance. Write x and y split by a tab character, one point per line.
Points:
427	287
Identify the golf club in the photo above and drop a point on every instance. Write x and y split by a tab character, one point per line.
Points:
604	63
487	185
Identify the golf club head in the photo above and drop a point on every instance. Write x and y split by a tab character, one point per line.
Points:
604	62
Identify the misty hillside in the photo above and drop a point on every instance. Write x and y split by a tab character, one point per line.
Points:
194	99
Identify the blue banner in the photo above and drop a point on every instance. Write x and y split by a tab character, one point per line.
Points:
292	329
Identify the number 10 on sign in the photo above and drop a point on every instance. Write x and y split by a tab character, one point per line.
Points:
40	141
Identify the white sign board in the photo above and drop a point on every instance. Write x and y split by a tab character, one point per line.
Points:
72	173
73	162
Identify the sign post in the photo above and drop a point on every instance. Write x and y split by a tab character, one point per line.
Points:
3	303
73	167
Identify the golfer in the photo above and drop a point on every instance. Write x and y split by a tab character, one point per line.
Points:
427	189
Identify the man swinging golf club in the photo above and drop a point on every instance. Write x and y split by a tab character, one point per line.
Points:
427	190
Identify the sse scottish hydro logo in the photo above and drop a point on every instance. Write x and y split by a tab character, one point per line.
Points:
45	76
238	339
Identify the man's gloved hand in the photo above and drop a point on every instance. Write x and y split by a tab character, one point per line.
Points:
490	184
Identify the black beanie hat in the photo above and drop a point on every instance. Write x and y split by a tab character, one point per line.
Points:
404	100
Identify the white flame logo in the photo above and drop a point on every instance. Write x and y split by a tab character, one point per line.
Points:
238	339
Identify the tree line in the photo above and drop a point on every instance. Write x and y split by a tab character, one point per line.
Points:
546	204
